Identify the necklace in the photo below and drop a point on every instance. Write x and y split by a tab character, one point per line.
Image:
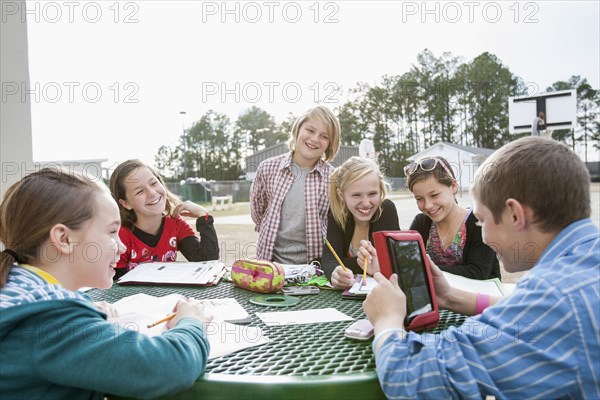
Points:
361	232
353	251
449	229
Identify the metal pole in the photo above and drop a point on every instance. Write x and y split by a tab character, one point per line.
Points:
185	170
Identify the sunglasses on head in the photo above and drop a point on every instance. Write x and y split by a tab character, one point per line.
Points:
426	164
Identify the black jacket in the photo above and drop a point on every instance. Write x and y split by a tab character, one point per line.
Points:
340	240
479	260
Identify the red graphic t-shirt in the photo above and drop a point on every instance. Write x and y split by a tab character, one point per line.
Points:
174	230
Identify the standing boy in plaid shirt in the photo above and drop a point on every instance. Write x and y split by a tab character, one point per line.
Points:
288	198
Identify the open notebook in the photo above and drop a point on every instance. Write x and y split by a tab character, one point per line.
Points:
359	290
493	287
201	273
140	310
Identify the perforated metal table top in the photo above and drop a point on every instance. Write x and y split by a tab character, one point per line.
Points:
300	361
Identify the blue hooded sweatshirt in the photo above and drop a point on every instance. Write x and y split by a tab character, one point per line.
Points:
54	344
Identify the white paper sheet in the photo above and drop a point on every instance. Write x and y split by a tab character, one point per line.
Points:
492	287
370	283
508	288
320	315
226	309
136	312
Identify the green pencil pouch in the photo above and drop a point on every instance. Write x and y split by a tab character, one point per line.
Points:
258	275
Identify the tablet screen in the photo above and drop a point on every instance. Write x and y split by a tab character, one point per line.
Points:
407	261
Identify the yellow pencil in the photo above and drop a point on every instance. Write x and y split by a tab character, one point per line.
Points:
335	254
364	279
160	321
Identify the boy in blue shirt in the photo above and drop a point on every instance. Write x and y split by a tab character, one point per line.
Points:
532	200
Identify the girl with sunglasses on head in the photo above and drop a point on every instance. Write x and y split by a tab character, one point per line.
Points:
450	232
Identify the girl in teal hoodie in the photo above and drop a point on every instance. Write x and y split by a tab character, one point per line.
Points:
60	233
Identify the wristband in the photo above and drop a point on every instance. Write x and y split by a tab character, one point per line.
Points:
383	332
482	302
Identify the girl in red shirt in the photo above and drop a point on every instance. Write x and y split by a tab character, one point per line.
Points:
152	228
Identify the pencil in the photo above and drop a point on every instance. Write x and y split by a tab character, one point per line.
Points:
364	279
160	321
335	254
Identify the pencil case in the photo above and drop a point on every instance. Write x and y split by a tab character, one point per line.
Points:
258	275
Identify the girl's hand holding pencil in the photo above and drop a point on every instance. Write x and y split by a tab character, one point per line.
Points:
367	257
188	308
364	277
160	321
342	278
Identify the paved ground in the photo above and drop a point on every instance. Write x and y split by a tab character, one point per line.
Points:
407	209
237	237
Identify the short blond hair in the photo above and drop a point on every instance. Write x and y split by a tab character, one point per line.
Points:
538	172
326	116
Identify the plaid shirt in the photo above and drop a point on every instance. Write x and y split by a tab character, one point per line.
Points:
273	180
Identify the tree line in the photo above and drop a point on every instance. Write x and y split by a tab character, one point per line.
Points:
439	99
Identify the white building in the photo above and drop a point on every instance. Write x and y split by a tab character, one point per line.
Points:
464	159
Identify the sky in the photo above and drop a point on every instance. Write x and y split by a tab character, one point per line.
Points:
109	80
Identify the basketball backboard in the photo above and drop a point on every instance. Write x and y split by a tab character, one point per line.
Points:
560	109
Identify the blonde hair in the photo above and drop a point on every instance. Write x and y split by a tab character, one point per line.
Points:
117	189
538	172
343	176
324	115
32	206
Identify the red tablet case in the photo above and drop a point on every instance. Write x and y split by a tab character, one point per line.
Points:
423	321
